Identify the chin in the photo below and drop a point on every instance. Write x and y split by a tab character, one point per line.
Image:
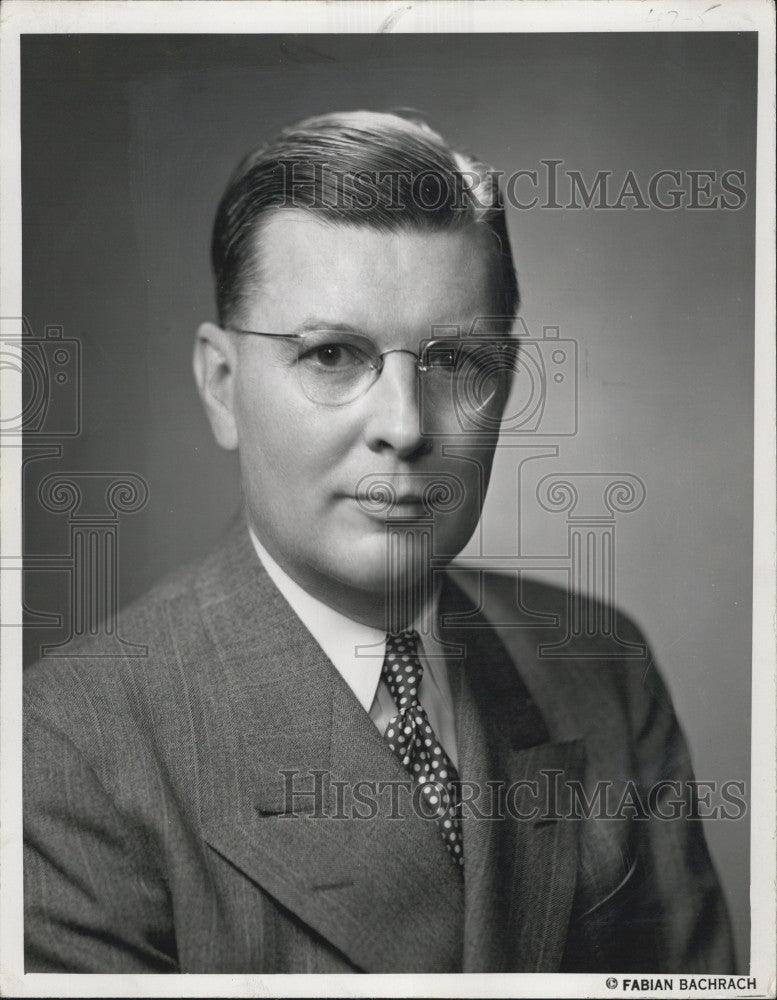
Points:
365	566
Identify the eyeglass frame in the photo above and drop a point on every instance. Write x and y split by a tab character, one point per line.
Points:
512	341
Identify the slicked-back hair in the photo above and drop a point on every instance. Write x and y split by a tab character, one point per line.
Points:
358	168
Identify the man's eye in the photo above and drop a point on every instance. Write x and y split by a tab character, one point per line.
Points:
442	358
455	361
334	356
469	359
331	355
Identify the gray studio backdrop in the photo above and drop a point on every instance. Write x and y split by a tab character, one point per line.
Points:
127	143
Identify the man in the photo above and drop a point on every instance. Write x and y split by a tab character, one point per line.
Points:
335	757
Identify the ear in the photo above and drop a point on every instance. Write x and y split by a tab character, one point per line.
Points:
215	369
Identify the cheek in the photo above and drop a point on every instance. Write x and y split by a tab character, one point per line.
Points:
286	444
474	474
261	427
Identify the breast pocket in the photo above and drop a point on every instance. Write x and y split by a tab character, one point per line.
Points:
615	897
619	932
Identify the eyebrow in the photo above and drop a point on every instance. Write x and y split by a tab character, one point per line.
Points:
316	323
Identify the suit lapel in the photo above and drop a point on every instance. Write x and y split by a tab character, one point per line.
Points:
383	892
519	873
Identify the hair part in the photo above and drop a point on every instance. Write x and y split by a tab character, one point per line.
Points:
357	168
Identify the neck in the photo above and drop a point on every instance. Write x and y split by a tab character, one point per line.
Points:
411	602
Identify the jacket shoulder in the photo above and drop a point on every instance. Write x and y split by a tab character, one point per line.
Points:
531	600
96	675
578	679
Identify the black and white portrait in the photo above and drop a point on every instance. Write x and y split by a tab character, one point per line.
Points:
382	439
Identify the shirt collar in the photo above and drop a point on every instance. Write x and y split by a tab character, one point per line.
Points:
356	650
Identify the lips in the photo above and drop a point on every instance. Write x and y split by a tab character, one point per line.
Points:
383	503
369	500
408	494
408	500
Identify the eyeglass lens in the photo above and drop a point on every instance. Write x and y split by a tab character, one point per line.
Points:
336	368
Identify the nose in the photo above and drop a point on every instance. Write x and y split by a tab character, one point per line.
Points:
393	419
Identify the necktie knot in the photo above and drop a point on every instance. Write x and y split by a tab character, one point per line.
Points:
402	670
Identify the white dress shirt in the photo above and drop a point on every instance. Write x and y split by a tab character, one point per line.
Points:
358	650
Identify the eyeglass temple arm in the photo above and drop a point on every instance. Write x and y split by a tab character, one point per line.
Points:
264	333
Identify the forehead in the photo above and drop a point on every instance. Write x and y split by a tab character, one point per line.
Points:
310	269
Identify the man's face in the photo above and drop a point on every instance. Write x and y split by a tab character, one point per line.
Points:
303	463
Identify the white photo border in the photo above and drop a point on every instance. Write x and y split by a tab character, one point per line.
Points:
270	16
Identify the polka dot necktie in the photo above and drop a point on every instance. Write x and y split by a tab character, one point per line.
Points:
412	739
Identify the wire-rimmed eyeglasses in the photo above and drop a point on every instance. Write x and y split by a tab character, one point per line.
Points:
336	367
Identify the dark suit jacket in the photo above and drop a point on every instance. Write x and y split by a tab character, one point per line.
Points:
158	834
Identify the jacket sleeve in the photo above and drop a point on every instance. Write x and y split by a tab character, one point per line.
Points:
93	899
696	936
668	913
